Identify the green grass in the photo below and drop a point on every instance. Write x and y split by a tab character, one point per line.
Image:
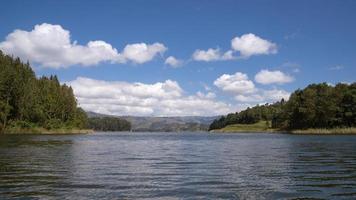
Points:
331	131
261	126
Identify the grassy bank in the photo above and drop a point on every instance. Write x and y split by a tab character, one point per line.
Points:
332	131
261	126
38	130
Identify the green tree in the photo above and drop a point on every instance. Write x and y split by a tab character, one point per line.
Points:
26	101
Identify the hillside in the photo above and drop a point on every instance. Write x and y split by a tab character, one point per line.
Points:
166	124
314	109
261	126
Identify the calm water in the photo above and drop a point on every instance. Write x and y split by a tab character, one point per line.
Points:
177	166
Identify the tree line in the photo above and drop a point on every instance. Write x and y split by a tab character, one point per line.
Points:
109	124
27	101
316	106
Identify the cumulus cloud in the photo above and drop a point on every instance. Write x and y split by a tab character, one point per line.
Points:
237	83
159	99
173	62
250	44
261	96
228	55
275	94
141	52
269	77
212	55
51	46
208	55
209	95
244	90
247	45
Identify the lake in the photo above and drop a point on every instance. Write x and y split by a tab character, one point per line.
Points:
177	166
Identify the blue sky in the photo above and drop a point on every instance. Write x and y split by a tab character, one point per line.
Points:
309	41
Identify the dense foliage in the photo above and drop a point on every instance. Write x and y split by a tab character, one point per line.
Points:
316	106
319	106
27	101
109	124
249	116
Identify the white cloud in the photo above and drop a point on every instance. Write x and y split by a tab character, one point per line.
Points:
251	98
173	62
330	84
159	99
250	44
247	45
141	52
208	55
237	83
244	90
269	77
212	55
229	55
262	96
51	46
275	95
209	95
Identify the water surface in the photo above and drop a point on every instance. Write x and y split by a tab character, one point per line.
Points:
177	166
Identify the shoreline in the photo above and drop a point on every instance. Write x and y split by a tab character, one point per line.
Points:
246	131
43	131
323	131
332	131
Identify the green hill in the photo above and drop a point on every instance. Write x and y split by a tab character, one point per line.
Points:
314	109
261	126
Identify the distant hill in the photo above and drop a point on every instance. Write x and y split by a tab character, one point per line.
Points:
94	114
167	124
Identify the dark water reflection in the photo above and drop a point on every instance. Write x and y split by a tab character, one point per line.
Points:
177	166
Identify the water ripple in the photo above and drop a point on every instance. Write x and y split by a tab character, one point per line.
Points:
177	166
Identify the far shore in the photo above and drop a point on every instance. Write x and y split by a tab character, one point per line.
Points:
333	131
246	131
229	129
265	127
43	131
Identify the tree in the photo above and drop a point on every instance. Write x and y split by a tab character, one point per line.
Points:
316	106
26	100
109	124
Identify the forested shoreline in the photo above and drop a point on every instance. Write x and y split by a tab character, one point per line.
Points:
42	105
318	106
28	102
108	124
